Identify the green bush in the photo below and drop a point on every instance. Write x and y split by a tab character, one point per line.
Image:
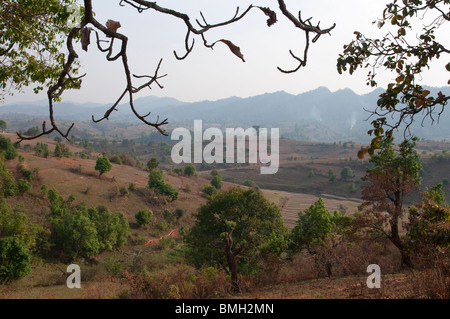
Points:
15	259
62	150
209	190
217	182
42	149
190	170
7	148
27	174
81	232
23	186
8	185
143	217
156	182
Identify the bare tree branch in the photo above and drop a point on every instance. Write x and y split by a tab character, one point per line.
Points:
89	23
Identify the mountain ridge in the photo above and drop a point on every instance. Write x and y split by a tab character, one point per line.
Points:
315	115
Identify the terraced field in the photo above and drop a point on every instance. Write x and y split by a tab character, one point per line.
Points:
292	203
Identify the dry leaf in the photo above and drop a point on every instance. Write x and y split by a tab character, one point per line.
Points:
113	25
272	16
85	38
235	49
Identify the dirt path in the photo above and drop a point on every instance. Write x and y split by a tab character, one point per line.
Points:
173	233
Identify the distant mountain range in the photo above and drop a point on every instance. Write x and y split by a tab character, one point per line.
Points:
318	115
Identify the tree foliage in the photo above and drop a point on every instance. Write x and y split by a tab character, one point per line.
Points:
157	183
103	165
15	259
407	53
347	173
232	228
429	223
152	164
143	217
31	42
81	232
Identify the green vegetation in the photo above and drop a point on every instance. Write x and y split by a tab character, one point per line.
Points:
15	260
103	165
190	170
232	229
42	149
347	173
144	217
81	232
394	174
62	150
209	190
152	163
156	182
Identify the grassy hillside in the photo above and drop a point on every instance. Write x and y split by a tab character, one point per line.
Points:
157	248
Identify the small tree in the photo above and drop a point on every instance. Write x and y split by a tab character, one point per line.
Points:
231	229
3	126
214	172
347	173
331	175
143	217
23	186
103	165
61	150
217	182
152	164
190	170
320	232
209	190
394	174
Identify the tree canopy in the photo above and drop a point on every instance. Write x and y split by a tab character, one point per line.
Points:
31	43
233	228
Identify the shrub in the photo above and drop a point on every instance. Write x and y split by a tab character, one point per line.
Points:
157	183
42	149
23	186
143	217
27	174
123	190
179	212
214	172
61	150
209	190
7	148
44	190
347	173
15	259
190	170
163	225
168	190
152	164
217	182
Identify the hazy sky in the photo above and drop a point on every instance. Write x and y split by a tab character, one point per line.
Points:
214	74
